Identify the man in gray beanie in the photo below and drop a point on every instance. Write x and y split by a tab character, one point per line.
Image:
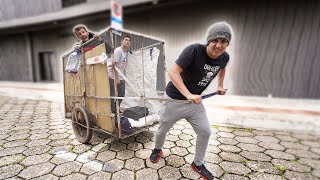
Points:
192	72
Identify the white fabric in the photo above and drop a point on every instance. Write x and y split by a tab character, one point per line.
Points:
134	73
145	121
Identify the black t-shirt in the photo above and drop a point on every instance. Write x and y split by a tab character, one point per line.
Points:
198	70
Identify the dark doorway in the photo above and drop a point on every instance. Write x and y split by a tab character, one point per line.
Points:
47	66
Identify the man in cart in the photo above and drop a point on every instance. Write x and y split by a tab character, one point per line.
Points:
84	35
120	60
192	72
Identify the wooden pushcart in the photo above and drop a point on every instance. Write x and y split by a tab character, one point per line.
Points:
87	92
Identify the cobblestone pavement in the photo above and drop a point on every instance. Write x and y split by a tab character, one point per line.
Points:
36	141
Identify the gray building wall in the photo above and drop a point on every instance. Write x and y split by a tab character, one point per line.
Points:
12	9
274	50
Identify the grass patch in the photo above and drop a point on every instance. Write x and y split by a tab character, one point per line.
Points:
225	172
248	129
244	162
281	169
215	126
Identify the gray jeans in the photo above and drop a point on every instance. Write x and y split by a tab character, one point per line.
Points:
195	114
121	93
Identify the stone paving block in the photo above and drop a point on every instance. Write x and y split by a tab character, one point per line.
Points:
39	142
296	175
287	138
86	157
17	137
255	156
315	150
310	162
123	175
314	144
260	176
233	177
227	141
233	157
157	165
180	151
263	133
143	153
126	154
100	176
169	173
316	173
185	137
36	170
250	147
168	144
113	165
91	167
214	169
294	145
147	174
74	176
269	139
249	140
266	167
12	151
36	150
10	171
60	142
178	127
175	132
213	149
190	157
280	155
37	159
235	168
149	145
14	143
226	134
229	148
38	136
134	164
81	148
271	146
106	155
291	165
118	147
187	172
39	131
172	138
66	168
214	142
61	149
188	131
175	161
135	146
13	159
243	133
183	143
142	139
306	137
212	158
303	153
225	129
47	177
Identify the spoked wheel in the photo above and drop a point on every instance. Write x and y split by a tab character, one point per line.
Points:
82	124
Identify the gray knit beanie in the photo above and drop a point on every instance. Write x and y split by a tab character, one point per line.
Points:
219	30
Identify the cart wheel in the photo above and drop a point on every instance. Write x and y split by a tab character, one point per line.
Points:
82	124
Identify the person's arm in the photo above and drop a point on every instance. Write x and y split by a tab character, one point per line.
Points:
117	57
177	81
221	75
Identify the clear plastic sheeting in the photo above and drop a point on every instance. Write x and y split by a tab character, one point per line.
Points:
143	62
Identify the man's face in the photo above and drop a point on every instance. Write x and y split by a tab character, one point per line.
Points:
217	47
83	35
126	42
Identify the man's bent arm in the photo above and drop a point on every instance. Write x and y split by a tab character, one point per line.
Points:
221	75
